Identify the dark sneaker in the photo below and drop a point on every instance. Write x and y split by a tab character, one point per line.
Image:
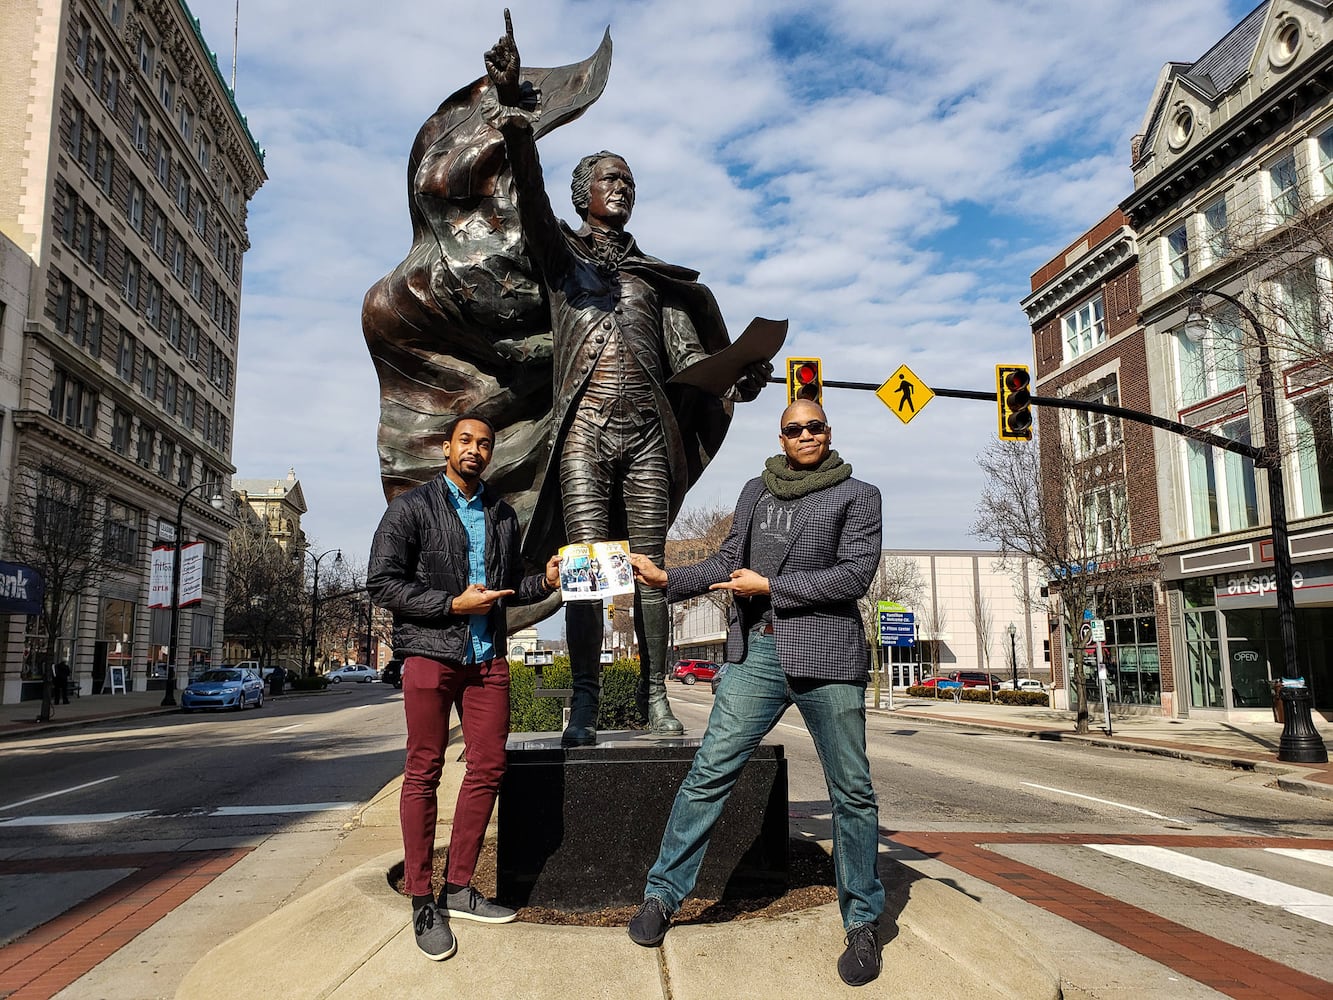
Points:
469	904
649	926
433	935
861	962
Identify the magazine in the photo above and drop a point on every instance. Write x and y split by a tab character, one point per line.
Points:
597	571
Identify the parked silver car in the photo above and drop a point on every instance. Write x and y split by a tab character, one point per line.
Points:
358	672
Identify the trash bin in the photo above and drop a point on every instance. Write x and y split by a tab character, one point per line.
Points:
1279	710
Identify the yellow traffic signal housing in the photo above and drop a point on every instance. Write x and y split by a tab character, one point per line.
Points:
1013	402
804	380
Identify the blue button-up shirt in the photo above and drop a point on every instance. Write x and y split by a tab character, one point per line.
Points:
481	644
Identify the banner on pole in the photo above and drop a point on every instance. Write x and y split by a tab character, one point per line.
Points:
159	577
192	574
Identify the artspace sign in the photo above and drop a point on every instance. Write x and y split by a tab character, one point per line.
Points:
21	589
1312	583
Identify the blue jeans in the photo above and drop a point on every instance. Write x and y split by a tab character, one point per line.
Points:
750	700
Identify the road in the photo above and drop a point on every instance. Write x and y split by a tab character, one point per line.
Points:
1134	871
220	817
1143	876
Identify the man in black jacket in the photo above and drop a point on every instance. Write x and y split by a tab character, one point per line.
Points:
803	548
444	559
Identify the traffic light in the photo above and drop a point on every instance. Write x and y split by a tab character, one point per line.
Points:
1014	402
611	613
803	380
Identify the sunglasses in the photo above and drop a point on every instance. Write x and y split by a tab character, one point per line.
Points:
815	427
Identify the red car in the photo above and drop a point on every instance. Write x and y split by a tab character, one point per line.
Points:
693	671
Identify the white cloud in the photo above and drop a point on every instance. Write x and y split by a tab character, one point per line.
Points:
815	161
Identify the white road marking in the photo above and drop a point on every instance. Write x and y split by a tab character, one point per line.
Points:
286	729
360	707
1233	881
63	791
799	729
300	807
70	820
1304	854
1105	802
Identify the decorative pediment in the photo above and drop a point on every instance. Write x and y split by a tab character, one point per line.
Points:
1292	32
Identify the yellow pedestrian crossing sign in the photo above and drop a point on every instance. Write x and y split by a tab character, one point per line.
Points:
904	393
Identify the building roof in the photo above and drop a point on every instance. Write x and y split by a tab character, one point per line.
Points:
226	87
288	488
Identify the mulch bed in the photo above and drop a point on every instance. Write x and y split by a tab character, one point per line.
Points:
810	883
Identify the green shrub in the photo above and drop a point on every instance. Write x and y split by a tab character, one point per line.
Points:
530	714
1022	697
317	683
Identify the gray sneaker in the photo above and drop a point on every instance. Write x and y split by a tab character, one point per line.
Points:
469	904
433	935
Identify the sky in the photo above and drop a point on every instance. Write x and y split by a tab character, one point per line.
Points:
886	174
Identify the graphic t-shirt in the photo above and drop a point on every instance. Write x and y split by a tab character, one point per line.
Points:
770	536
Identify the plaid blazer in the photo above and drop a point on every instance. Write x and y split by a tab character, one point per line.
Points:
832	556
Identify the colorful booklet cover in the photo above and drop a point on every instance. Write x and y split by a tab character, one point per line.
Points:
594	572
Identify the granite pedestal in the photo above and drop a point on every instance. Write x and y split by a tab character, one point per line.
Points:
578	829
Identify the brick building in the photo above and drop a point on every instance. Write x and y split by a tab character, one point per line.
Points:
125	180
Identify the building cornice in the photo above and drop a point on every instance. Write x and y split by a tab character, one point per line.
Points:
1086	273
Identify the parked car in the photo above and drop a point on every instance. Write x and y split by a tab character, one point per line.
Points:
975	679
224	687
1024	684
392	673
358	672
717	677
693	671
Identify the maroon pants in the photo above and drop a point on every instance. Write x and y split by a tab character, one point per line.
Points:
430	689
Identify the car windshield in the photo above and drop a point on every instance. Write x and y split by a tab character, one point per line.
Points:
221	675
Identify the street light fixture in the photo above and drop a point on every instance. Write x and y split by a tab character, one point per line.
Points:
314	603
1013	652
1300	742
169	696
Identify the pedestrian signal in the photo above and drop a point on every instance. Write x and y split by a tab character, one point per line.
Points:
803	380
1013	402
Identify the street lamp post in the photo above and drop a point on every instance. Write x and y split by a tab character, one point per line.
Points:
1013	652
314	603
1300	742
169	696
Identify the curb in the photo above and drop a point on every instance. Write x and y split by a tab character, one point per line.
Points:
1281	771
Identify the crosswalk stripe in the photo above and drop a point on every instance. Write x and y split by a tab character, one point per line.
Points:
1304	854
1247	885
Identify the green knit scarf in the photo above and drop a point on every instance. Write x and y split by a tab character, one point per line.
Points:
787	483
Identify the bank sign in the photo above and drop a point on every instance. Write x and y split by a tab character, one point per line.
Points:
21	589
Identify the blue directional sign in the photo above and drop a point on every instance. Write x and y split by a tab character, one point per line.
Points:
896	628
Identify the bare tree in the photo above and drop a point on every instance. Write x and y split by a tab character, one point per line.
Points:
264	601
983	619
1068	515
59	522
696	535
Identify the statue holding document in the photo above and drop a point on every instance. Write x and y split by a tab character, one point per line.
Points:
638	373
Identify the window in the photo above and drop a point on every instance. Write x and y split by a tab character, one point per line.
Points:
1084	328
182	188
1324	148
106	166
1177	255
61	506
183	469
135	210
111	87
1295	303
120	431
1216	364
92	339
166	458
125	356
73	402
120	533
174	325
1314	454
97	67
166	89
200	216
170	381
159	234
185	120
146	442
148	377
1222	494
1284	192
196	279
204	152
140	128
187	407
178	259
163	160
191	339
116	11
147	55
129	285
84	40
1105	525
153	310
211	562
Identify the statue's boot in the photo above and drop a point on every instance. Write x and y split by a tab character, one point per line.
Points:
652	668
583	628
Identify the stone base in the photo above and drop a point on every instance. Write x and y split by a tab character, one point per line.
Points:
578	829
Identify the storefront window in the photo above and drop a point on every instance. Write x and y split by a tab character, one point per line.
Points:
35	654
117	631
1130	652
1254	653
1202	656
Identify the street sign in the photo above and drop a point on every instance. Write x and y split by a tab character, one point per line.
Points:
1098	630
1088	615
897	628
904	393
1085	632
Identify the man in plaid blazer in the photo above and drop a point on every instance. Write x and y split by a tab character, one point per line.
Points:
803	548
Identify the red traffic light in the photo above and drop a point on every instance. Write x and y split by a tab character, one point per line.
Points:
806	374
803	380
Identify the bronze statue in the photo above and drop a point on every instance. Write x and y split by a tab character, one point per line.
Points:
568	338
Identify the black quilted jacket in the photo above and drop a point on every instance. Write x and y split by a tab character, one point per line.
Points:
418	562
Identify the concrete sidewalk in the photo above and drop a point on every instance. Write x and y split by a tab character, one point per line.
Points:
352	938
1248	746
